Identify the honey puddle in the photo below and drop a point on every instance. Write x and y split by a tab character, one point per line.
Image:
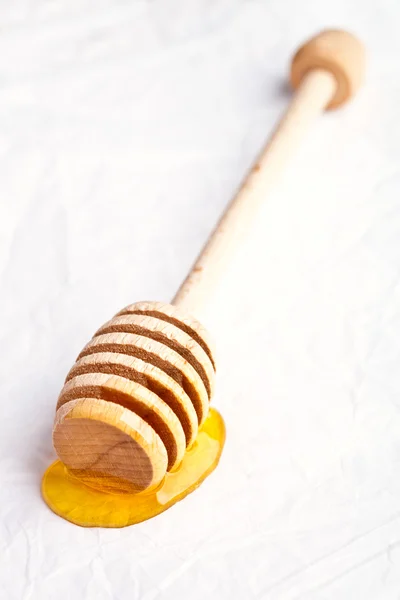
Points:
76	502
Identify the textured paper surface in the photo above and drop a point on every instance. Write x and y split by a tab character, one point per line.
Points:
125	127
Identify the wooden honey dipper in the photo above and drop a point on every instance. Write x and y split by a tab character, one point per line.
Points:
140	389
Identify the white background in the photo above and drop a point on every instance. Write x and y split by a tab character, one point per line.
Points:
125	127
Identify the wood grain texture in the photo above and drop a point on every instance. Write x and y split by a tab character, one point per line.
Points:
108	446
179	318
168	334
156	369
159	355
135	397
149	376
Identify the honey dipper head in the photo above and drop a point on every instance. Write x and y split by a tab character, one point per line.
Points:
338	52
135	398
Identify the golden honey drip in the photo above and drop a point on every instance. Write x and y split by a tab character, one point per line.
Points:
78	503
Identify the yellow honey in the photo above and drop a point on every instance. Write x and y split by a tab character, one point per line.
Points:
74	501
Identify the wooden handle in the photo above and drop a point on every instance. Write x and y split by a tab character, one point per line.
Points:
326	72
140	390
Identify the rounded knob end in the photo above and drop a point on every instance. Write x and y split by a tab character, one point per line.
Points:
338	52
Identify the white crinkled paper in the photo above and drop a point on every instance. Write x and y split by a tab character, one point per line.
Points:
125	127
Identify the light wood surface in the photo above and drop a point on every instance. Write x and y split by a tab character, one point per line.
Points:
154	362
159	355
168	334
138	399
149	376
172	314
326	71
336	52
108	446
134	400
310	100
